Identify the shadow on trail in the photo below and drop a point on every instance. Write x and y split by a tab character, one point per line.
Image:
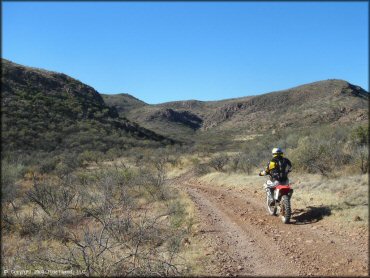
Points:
310	215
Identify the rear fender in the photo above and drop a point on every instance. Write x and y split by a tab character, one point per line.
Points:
281	190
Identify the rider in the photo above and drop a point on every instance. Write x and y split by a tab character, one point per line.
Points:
278	169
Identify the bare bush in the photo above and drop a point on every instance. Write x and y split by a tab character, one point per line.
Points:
53	198
361	158
111	221
244	162
316	155
10	174
218	162
201	169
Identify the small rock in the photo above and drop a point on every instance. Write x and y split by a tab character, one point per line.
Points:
240	267
186	241
358	218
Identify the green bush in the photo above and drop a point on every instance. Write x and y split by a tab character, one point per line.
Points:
360	136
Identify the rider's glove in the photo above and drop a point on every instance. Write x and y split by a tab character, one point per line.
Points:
262	173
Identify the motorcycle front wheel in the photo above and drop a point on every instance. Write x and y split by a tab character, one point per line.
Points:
271	209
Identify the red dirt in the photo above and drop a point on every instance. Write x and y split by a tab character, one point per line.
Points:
244	239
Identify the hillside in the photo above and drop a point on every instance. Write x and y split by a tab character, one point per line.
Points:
325	102
44	110
123	103
329	102
48	110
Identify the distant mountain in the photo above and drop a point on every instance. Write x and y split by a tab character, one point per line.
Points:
44	110
328	102
323	102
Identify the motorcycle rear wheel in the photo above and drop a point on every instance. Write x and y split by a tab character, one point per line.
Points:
285	211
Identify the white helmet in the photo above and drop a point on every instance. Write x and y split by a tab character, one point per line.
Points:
277	151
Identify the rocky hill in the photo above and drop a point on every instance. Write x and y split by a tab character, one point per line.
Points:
44	110
324	102
328	102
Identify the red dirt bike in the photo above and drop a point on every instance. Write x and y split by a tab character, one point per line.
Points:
279	202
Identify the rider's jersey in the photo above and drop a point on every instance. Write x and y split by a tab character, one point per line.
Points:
278	168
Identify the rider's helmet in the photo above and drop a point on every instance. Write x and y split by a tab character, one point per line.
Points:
277	151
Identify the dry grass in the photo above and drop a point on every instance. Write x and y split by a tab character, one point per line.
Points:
244	138
194	251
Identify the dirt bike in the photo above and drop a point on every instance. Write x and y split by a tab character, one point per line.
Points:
279	202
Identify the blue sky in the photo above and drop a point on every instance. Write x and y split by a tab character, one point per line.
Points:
162	51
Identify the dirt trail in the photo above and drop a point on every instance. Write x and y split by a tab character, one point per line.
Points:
245	240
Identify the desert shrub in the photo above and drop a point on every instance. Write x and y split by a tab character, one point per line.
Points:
218	162
360	157
113	153
247	163
47	164
89	156
178	212
101	229
360	136
53	198
202	169
234	162
28	226
153	176
10	174
67	163
315	155
291	140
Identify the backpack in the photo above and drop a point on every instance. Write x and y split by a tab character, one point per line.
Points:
281	170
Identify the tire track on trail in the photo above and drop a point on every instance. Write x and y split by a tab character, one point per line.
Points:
248	241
